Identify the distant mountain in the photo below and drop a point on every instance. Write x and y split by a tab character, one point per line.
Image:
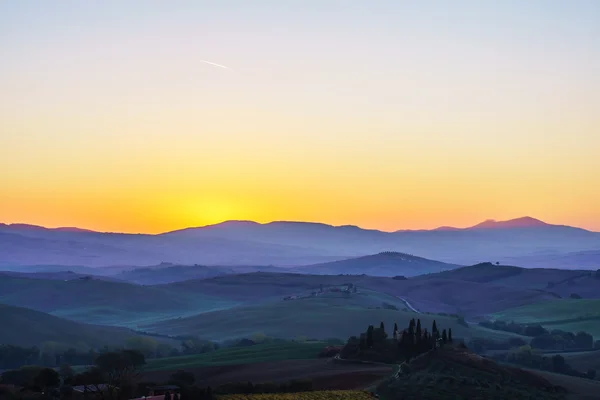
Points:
524	222
382	264
517	223
289	244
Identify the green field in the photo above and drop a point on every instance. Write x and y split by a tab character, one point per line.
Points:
273	351
552	311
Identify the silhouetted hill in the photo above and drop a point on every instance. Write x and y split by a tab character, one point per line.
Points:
524	222
382	264
292	244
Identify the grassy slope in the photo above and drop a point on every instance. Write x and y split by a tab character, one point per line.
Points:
552	311
567	314
24	327
274	351
320	317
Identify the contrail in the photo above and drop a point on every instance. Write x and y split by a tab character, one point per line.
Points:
216	65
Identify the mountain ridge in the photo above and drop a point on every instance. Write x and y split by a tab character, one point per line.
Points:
520	222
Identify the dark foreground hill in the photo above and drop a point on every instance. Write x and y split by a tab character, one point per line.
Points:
452	372
24	327
383	264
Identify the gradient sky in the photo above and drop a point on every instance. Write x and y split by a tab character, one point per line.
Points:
383	114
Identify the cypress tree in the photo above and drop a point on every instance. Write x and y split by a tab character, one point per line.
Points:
418	332
395	327
411	328
444	337
370	336
450	335
381	326
434	329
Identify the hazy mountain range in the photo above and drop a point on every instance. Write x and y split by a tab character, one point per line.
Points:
524	241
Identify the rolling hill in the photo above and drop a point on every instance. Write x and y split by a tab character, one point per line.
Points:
382	264
566	314
515	277
24	327
452	372
435	295
103	302
326	316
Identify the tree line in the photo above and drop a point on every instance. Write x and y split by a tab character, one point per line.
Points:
542	338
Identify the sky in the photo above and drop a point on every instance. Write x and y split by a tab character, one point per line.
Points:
388	114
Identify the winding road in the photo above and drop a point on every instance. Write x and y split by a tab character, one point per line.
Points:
408	305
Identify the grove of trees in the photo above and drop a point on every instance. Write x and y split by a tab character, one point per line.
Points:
375	345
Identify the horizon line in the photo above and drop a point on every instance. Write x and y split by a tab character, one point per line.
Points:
439	228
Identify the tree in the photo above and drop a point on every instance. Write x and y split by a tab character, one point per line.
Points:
450	335
418	332
119	368
584	340
370	336
183	378
534	330
66	372
145	345
167	396
382	326
444	337
46	379
558	363
434	329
